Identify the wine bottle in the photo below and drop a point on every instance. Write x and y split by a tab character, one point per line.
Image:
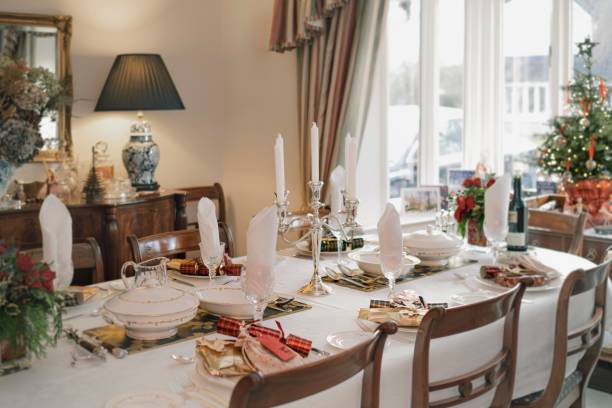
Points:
517	220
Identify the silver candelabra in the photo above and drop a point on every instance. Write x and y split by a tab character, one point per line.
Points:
316	226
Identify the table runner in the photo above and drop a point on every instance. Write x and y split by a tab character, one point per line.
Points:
112	336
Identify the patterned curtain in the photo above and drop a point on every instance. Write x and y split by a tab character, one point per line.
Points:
337	43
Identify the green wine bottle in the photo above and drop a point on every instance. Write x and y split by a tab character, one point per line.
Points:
517	220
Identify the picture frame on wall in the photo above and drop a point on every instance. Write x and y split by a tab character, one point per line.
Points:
420	199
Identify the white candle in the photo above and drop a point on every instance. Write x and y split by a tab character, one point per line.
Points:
314	152
279	166
350	157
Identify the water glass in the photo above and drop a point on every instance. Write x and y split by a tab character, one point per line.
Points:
496	231
212	262
258	289
392	266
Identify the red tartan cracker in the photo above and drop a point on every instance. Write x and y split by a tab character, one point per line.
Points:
231	327
189	268
298	344
232	270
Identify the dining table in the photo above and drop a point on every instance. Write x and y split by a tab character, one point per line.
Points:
53	382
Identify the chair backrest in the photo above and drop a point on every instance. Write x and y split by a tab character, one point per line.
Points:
258	390
86	256
498	373
555	230
168	244
589	334
214	193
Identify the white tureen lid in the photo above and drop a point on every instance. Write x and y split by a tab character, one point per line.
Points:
143	301
431	238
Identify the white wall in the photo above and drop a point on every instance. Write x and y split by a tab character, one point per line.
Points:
237	94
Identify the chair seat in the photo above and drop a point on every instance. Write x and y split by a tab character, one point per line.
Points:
569	383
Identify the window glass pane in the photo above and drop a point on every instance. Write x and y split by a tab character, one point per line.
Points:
591	18
403	79
450	111
526	44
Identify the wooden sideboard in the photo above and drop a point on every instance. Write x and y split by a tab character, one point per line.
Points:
108	222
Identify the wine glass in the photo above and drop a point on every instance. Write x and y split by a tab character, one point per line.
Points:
258	289
496	230
212	262
391	266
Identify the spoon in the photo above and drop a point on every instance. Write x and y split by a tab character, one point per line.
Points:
338	277
183	359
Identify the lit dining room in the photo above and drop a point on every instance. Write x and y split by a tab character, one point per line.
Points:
366	203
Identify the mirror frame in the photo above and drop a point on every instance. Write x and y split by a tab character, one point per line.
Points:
63	24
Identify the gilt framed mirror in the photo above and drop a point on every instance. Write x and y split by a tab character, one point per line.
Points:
44	41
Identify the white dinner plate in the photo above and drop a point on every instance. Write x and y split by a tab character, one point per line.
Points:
226	301
369	262
467	298
348	339
552	285
149	399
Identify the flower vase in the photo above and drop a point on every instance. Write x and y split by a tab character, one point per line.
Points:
475	233
13	360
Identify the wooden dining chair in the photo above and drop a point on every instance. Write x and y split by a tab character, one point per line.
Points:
555	230
498	374
87	260
257	390
562	391
216	195
168	244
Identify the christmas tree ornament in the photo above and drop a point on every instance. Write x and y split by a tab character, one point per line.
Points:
560	141
603	89
584	122
590	164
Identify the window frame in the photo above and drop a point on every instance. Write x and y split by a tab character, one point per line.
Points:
484	86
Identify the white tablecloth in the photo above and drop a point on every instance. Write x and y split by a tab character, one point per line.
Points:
51	382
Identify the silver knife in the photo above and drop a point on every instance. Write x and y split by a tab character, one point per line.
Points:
184	282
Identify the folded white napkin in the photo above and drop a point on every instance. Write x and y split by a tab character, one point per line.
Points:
497	201
336	185
529	262
261	252
390	235
56	227
209	228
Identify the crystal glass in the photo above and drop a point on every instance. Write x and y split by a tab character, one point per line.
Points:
214	261
258	289
391	266
496	231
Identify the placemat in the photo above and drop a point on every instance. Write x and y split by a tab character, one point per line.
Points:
112	336
373	283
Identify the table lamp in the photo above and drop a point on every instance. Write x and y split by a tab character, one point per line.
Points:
139	82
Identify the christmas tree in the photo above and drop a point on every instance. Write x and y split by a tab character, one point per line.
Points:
93	190
578	145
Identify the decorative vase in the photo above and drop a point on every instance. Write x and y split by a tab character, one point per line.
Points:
594	193
141	157
13	360
475	233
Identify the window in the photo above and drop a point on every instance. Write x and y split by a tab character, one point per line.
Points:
449	115
475	80
403	111
591	18
526	43
406	87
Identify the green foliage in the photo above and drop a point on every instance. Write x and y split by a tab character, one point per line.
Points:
585	130
30	310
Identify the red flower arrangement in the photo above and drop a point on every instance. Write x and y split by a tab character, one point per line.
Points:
469	204
30	309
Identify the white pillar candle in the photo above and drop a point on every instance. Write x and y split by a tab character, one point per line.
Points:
350	157
279	166
314	152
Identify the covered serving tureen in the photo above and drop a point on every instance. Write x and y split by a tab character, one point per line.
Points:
151	313
432	246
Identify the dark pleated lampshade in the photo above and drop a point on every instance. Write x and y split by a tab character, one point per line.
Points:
138	82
